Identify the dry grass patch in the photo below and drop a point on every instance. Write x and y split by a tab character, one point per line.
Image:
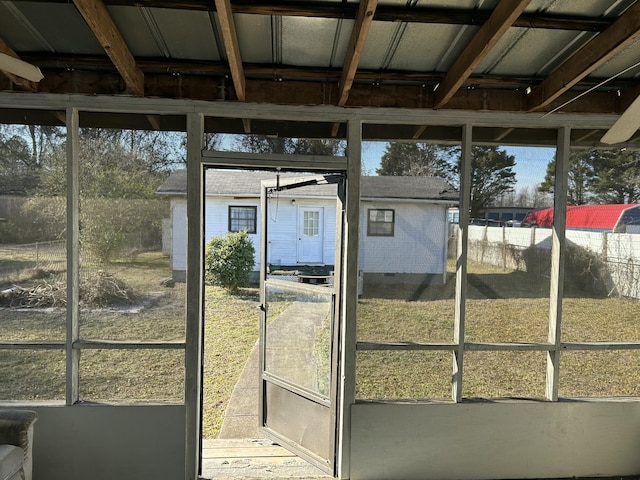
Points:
231	331
503	306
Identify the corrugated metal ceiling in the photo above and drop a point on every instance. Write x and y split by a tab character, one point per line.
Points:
410	44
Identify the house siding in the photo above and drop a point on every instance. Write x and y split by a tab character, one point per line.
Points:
179	241
417	245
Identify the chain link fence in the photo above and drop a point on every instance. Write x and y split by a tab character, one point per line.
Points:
32	260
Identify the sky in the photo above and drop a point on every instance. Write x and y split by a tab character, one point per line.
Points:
531	162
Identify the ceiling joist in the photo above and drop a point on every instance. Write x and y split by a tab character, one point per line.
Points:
502	18
230	39
100	22
593	54
356	46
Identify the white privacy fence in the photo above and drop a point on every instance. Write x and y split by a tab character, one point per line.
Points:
607	262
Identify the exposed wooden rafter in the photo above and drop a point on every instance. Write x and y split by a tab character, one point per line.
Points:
502	18
23	82
419	131
593	54
504	134
97	17
356	46
230	39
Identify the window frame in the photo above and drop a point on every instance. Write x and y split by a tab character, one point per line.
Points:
370	223
230	219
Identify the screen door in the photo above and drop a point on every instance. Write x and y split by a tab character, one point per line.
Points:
299	324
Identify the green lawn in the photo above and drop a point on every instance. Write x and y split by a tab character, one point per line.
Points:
502	306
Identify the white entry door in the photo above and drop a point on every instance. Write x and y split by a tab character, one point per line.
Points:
310	234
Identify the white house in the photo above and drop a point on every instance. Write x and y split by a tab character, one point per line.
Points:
404	222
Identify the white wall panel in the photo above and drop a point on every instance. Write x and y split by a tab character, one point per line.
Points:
477	441
418	241
103	442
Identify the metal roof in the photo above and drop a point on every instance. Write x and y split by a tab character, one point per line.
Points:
462	55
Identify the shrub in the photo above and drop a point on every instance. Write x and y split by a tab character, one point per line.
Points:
229	260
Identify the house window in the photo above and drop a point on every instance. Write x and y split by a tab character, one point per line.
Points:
311	223
242	218
381	223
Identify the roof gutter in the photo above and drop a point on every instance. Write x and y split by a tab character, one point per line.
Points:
404	200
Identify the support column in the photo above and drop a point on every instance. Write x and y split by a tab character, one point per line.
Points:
73	255
461	262
350	297
557	261
195	295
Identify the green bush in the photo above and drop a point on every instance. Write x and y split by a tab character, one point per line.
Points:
229	260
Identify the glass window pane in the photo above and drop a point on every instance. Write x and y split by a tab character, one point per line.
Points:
298	339
242	218
311	223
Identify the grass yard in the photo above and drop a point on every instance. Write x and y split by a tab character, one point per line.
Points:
231	331
502	306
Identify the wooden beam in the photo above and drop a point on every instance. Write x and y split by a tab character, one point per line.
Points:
62	62
593	54
419	131
356	46
230	39
154	121
23	82
587	135
502	18
505	132
97	17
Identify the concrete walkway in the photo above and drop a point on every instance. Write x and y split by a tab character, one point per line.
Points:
241	416
240	451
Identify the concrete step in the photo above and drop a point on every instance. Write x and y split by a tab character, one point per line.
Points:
253	459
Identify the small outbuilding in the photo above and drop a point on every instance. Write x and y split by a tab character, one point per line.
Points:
404	223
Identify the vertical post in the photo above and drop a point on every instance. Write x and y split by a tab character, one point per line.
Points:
262	334
195	295
73	256
461	262
445	253
349	296
557	261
